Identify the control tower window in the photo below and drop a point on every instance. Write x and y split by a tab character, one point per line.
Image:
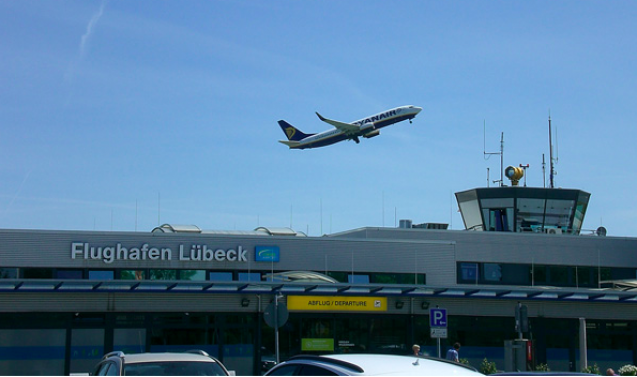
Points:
470	209
530	215
498	214
580	210
499	220
558	213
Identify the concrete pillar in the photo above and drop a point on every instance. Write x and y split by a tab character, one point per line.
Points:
583	358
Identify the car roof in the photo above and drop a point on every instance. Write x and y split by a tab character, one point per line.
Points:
165	356
387	365
541	373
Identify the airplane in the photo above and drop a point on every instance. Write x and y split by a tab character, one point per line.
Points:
367	127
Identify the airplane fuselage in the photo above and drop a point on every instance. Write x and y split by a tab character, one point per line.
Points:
367	127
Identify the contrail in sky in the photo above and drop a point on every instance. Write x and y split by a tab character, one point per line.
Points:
18	192
84	42
89	29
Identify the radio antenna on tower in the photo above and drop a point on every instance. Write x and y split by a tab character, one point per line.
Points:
551	167
543	171
501	153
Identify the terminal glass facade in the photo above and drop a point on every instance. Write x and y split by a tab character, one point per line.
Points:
198	275
532	274
244	344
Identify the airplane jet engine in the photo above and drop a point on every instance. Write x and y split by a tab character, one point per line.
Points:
368	127
372	134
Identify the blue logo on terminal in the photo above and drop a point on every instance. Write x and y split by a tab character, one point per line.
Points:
266	254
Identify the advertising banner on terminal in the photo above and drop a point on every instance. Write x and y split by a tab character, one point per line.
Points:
337	303
317	344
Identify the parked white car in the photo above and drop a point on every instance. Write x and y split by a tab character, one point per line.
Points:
191	363
369	365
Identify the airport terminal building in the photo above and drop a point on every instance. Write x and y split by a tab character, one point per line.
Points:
68	297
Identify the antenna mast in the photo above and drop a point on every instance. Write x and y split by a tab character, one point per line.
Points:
551	167
502	159
543	171
501	153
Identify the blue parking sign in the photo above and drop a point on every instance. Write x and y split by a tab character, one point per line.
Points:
438	317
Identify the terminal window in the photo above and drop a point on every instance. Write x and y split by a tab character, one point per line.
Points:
492	272
132	274
244	276
358	279
8	273
101	275
192	275
69	274
163	274
469	271
220	276
37	273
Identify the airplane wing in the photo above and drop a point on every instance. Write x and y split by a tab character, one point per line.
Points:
346	128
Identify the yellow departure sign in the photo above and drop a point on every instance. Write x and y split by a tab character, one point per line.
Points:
337	303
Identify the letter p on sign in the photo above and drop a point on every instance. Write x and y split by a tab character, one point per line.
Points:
438	317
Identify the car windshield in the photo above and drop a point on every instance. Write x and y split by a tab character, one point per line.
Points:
174	368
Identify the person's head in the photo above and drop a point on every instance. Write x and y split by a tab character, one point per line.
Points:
610	372
415	348
456	346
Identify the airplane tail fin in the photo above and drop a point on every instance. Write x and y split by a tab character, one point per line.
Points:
292	133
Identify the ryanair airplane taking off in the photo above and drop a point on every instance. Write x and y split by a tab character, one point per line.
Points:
366	127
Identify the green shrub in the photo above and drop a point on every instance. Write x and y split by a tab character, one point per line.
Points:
487	367
542	368
592	369
628	370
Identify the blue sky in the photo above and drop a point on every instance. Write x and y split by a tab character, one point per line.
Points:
122	115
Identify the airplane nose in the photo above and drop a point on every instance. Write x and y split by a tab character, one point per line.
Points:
418	109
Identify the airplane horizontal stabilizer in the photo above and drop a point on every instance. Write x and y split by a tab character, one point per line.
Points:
290	144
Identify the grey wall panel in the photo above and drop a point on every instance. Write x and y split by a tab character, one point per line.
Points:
123	302
157	302
433	252
54	249
503	247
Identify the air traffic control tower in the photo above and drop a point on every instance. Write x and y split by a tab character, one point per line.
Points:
523	209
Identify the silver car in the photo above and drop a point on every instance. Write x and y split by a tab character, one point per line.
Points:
369	365
191	363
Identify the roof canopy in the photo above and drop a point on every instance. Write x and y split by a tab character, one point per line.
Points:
312	288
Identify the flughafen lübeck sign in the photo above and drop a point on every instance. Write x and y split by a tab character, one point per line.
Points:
195	252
